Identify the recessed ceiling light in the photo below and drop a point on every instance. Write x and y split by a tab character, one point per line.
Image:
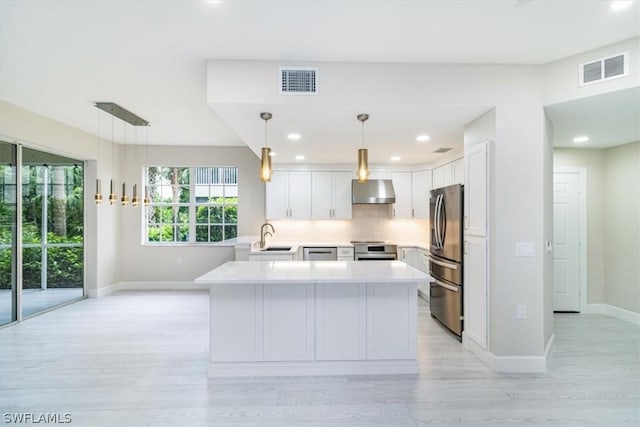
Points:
395	158
620	5
581	139
423	138
294	136
299	157
272	154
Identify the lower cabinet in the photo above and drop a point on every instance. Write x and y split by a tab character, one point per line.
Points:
391	324
277	322
341	321
288	321
475	290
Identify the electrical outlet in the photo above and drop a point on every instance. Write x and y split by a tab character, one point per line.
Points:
522	311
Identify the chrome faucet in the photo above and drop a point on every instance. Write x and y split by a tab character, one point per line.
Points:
263	234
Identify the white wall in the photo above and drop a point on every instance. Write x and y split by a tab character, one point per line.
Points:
178	263
622	226
593	162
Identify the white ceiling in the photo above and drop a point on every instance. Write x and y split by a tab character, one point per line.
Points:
59	57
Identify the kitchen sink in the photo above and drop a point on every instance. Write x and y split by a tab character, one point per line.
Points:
277	249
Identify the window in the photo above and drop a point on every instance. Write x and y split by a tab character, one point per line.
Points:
192	205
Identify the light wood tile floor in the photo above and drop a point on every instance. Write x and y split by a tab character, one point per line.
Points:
140	359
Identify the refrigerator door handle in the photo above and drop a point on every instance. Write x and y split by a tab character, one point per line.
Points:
443	222
436	234
437	221
446	286
443	264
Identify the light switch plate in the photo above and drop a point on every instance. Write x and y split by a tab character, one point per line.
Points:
525	249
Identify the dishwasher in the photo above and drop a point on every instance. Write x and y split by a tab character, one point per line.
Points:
319	254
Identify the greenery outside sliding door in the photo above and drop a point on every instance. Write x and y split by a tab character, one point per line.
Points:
52	230
8	236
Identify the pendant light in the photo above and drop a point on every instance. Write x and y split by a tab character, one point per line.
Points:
124	200
98	195
146	200
135	200
363	155
265	161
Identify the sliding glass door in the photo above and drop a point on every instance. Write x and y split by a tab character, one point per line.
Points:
8	227
52	230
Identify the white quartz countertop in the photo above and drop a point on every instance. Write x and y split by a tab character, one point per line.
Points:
313	271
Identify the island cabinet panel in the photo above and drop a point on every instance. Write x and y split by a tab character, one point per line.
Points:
236	323
289	321
341	321
391	321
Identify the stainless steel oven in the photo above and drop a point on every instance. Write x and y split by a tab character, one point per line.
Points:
374	251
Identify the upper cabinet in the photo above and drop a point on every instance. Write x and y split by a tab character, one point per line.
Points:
402	187
476	191
449	174
331	195
458	171
420	189
288	195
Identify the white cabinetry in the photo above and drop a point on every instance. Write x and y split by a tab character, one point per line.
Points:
420	189
476	272
458	171
391	314
443	176
402	188
475	191
331	195
346	253
288	195
341	321
475	289
271	256
289	321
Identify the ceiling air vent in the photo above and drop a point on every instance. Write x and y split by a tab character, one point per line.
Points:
442	150
604	69
298	80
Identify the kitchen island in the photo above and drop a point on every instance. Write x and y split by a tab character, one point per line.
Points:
312	318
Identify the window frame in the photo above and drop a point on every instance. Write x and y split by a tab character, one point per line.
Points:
192	206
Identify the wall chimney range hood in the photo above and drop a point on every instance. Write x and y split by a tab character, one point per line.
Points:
373	191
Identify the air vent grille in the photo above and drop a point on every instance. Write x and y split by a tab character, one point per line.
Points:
298	80
604	69
442	150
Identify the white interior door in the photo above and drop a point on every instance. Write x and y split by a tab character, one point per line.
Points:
566	237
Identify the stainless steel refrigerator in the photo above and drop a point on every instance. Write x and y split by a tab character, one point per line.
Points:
445	258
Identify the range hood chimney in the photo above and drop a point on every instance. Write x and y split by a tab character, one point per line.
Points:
373	191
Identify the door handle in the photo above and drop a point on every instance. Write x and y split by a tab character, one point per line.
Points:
446	286
443	264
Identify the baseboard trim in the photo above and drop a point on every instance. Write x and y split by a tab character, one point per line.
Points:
514	364
103	291
613	311
269	369
162	286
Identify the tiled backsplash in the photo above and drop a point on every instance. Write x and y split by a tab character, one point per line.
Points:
369	222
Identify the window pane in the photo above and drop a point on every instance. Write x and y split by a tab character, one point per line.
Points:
153	233
202	215
216	233
230	231
202	233
183	233
216	215
230	214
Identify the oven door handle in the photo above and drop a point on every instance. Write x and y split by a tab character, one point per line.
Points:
443	264
446	286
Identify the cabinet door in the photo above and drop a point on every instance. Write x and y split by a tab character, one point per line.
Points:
342	195
321	195
458	171
476	190
402	188
391	320
447	174
277	196
379	175
300	195
420	188
289	321
438	178
341	321
475	290
236	323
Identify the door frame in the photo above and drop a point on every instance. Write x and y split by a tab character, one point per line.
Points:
582	208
